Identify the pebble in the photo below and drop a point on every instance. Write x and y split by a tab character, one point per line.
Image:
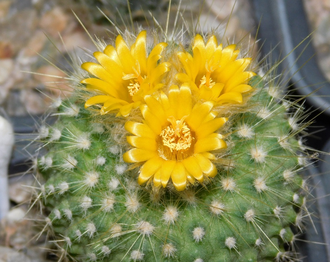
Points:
11	255
18	29
76	39
18	191
318	13
191	5
15	227
53	80
16	231
6	65
208	23
223	9
322	32
54	21
48	74
15	216
34	101
325	65
6	78
4	8
6	49
35	43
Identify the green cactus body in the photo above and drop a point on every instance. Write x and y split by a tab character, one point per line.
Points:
98	211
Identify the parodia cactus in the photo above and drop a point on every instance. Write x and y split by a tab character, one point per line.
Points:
167	153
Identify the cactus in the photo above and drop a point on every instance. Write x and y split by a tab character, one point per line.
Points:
166	153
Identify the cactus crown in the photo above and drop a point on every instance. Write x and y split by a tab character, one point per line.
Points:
166	153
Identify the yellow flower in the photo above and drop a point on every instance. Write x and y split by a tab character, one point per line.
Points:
174	139
215	73
124	76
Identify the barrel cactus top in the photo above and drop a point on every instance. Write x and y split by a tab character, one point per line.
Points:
173	152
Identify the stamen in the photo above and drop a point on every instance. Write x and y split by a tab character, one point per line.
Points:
207	81
176	139
133	88
135	82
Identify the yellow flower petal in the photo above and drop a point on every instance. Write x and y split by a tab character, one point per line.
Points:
136	155
139	50
179	177
206	165
157	178
190	178
182	77
229	71
164	101
205	93
187	61
139	129
198	114
142	142
98	71
185	102
124	55
149	169
216	90
193	168
214	61
159	71
155	107
112	68
209	143
198	68
228	54
112	104
154	56
153	122
96	100
210	47
180	101
209	155
146	89
104	87
241	89
239	79
199	43
232	98
126	109
245	63
166	171
209	127
111	52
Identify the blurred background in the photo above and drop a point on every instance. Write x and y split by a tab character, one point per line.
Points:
38	36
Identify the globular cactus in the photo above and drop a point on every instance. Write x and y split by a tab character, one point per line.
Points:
172	153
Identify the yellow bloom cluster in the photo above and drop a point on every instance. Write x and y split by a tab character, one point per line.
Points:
124	76
178	126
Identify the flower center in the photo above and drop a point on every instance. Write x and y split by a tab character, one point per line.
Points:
133	88
207	81
135	83
136	80
177	140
